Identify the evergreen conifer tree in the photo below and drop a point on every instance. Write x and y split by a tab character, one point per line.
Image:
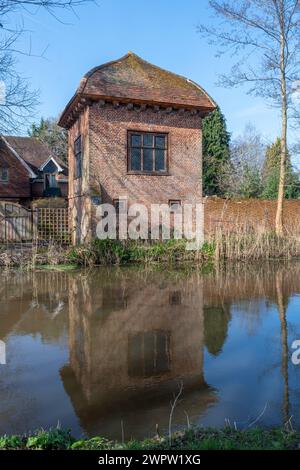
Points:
216	153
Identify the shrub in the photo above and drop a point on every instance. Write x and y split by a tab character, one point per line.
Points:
50	440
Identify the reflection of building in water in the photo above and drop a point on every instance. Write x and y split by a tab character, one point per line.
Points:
29	300
130	347
149	354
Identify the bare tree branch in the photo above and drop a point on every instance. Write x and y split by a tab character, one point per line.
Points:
264	36
17	100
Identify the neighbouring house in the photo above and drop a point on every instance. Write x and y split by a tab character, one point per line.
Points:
29	170
135	133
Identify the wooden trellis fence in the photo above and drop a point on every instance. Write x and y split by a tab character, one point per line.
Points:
53	225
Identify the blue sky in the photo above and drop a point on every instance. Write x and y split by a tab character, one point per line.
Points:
161	31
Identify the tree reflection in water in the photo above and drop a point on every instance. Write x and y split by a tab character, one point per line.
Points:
135	334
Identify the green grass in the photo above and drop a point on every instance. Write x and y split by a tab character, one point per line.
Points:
194	439
115	252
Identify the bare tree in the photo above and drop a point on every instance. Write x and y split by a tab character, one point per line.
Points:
295	148
248	148
241	176
17	100
13	7
265	36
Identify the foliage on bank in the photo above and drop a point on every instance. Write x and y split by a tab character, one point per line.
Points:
105	252
219	248
193	439
114	252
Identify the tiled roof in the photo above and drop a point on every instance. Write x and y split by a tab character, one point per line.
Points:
132	78
32	151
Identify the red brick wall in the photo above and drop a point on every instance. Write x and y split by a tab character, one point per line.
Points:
79	200
18	185
64	188
37	189
108	154
105	160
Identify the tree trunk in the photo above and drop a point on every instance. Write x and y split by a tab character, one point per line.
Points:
279	212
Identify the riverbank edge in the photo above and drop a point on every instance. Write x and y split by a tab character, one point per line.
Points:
192	439
104	253
218	249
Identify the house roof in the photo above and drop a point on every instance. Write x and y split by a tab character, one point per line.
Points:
34	152
133	79
6	144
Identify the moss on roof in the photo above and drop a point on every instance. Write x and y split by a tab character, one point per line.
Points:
133	78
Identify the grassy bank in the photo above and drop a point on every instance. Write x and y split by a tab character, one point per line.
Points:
196	439
219	248
105	252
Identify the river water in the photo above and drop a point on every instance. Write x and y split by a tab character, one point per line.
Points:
105	351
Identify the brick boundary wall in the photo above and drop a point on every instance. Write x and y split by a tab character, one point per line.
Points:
249	214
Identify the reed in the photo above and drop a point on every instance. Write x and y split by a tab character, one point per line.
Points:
221	246
241	245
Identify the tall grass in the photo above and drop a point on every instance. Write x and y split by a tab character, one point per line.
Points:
244	246
220	246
